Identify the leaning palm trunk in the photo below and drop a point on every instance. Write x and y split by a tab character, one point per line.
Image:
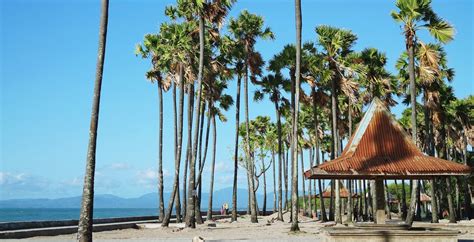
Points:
202	161
412	208
190	213
167	218
213	164
84	232
236	151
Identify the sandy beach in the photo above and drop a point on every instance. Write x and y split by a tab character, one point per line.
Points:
268	229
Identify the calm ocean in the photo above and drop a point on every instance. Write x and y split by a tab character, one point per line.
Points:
37	214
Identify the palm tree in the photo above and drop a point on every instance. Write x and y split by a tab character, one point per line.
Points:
272	85
176	44
378	82
415	15
294	151
336	44
217	101
84	232
246	29
151	49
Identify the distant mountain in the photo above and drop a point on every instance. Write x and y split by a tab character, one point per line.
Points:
149	200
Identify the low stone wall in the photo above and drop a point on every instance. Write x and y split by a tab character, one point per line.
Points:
353	234
61	223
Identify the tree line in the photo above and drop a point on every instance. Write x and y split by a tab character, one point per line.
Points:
200	51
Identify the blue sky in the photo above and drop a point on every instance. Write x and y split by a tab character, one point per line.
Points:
47	65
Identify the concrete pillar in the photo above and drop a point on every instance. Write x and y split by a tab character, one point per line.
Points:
380	201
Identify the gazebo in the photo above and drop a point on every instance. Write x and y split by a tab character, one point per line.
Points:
344	193
381	149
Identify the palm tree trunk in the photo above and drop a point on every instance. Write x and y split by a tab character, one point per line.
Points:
84	232
285	171
452	212
411	71
349	202
175	122
302	183
434	203
250	170
274	182
264	189
280	197
338	217
458	202
324	217
213	164
294	158
387	202
331	200
236	151
310	195
201	161
366	202
418	202
191	215
404	201
374	199
349	116
178	152
160	150
189	144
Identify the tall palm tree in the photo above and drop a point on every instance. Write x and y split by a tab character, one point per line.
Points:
151	49
336	44
378	82
176	45
415	15
246	29
218	101
272	85
84	232
294	157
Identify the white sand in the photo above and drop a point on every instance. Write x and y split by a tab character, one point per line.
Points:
267	229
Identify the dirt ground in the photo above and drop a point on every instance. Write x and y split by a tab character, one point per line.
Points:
268	229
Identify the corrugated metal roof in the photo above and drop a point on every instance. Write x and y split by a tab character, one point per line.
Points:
381	147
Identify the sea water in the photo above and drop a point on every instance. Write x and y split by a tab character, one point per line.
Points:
38	214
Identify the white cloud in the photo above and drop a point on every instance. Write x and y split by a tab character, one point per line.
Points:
149	177
116	166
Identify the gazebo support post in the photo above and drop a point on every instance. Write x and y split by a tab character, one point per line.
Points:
380	201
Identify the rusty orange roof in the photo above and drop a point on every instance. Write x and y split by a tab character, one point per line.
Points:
381	147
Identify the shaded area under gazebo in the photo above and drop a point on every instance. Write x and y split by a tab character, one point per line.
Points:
381	149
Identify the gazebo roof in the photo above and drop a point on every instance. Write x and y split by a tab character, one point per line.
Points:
380	147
